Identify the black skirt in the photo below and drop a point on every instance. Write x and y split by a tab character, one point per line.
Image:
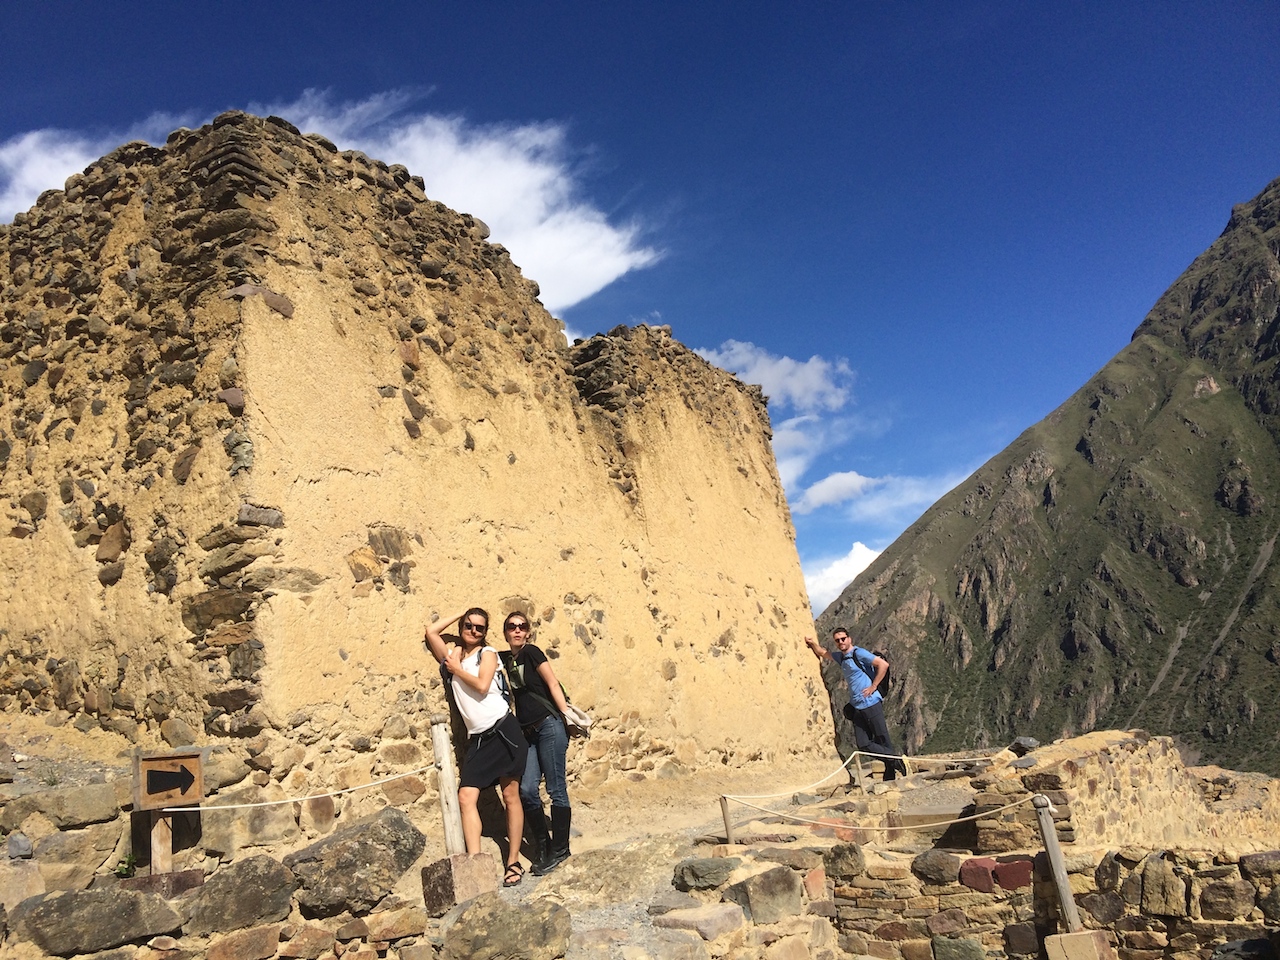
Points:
495	753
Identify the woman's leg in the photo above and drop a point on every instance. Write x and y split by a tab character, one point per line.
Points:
530	796
552	746
468	807
515	817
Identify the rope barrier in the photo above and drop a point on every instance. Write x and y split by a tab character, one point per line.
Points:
853	756
314	796
913	826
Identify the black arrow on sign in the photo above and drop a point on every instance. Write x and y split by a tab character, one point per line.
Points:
162	781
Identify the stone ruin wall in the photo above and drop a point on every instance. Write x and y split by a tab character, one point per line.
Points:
265	409
1112	788
844	889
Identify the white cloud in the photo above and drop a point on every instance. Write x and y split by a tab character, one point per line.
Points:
798	442
520	179
828	578
894	500
836	488
817	390
806	386
34	162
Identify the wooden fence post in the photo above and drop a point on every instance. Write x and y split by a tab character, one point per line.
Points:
1070	916
442	746
728	826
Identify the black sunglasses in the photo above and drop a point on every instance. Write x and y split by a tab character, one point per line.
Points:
517	626
479	628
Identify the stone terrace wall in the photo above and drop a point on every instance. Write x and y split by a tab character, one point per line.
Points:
1125	788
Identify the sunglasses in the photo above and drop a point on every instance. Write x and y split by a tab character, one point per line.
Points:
479	628
518	626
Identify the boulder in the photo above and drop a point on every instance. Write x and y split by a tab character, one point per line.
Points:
226	832
703	873
256	943
937	866
488	928
88	921
768	897
964	948
1226	899
310	942
845	861
69	859
247	893
1261	866
710	922
19	879
385	845
1164	893
66	807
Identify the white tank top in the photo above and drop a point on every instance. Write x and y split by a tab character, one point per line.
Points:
480	711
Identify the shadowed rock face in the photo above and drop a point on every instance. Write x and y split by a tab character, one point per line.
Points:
1114	565
265	409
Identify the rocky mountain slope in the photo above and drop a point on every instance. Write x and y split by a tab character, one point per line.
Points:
265	409
1114	565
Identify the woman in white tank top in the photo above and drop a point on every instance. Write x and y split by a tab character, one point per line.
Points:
496	748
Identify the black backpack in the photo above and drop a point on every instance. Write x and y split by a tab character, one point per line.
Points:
869	669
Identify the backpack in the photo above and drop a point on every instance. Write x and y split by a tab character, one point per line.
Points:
869	669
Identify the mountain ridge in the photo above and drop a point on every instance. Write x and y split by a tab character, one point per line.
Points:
1112	565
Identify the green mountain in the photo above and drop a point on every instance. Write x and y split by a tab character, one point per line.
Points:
1114	566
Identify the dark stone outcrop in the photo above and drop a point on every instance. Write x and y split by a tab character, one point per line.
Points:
246	893
703	873
383	847
87	921
488	928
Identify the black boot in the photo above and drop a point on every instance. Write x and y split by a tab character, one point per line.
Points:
561	818
537	835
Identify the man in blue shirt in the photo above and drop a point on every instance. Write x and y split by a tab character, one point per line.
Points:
864	672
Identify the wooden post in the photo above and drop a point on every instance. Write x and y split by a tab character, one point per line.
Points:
728	826
1070	916
161	842
857	771
443	749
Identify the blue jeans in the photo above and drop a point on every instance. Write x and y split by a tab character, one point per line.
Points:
548	744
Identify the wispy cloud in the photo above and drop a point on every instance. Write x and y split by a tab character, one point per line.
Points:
836	488
814	423
524	180
826	578
806	386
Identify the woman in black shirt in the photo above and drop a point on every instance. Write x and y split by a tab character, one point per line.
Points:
540	705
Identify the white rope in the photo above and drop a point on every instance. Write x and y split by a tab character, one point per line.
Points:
913	826
314	796
852	757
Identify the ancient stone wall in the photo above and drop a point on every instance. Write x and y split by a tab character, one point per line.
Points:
1112	788
266	409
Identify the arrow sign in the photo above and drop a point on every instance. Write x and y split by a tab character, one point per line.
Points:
165	781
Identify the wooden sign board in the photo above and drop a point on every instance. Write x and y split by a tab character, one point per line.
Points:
168	779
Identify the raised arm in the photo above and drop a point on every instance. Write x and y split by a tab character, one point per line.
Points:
435	641
818	650
488	666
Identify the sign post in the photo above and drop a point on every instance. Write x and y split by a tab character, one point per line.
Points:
166	779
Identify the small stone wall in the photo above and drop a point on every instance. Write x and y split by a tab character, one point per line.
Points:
1153	904
1114	788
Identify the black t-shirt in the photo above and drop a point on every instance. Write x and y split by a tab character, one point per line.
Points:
526	681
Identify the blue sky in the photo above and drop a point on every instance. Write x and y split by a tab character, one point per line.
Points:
920	226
